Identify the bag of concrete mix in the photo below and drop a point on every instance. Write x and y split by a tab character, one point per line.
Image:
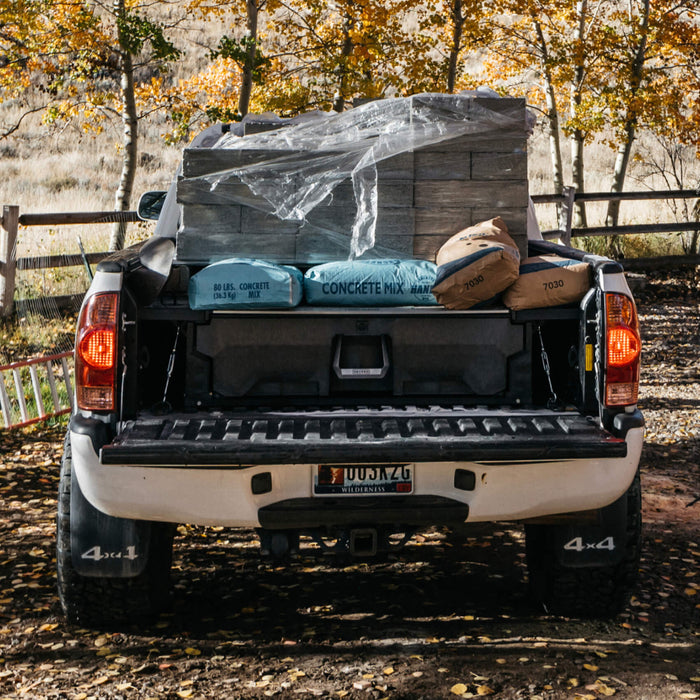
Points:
476	265
548	280
371	283
245	283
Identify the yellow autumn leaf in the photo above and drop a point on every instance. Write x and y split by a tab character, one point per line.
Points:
388	671
691	591
590	667
458	689
605	689
484	690
191	651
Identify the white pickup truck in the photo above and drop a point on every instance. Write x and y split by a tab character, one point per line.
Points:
355	423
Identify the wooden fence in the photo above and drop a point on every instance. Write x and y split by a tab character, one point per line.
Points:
9	228
12	220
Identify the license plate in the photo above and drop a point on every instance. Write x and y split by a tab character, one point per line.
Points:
364	479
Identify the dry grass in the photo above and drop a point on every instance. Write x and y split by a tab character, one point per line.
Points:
47	170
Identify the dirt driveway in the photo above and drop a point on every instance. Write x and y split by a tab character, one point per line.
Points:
450	618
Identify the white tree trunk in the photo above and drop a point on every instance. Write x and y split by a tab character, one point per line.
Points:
456	47
577	137
630	126
249	68
340	96
122	200
552	117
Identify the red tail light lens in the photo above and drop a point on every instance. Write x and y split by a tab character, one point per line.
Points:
97	348
623	351
623	347
96	353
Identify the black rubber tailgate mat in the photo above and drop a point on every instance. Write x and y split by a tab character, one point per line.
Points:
418	434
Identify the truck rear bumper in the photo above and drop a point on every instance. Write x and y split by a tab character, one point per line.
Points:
567	464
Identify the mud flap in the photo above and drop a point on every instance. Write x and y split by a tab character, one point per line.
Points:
593	544
102	545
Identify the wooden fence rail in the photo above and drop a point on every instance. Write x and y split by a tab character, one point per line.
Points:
12	220
9	227
569	196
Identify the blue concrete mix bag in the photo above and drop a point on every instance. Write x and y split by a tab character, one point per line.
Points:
246	283
371	283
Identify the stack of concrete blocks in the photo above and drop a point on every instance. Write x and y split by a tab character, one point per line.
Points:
424	196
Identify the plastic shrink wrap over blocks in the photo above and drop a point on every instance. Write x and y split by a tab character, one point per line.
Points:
393	178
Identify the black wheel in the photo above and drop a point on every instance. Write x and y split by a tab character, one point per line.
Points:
587	591
108	601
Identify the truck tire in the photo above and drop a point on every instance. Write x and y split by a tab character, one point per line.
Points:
108	601
585	591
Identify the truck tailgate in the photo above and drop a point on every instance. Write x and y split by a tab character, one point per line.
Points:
363	435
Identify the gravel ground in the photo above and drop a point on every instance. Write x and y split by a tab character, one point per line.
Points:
450	618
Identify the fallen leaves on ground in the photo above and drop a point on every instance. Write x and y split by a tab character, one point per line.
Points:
451	613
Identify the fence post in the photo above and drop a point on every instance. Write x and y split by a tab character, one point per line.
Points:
8	241
568	212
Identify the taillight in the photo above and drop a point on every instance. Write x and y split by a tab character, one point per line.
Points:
96	353
623	350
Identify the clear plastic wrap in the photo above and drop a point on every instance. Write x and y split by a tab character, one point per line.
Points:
301	165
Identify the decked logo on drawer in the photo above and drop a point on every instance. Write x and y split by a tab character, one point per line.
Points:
358	479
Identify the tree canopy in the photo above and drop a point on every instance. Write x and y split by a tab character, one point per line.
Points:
595	69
